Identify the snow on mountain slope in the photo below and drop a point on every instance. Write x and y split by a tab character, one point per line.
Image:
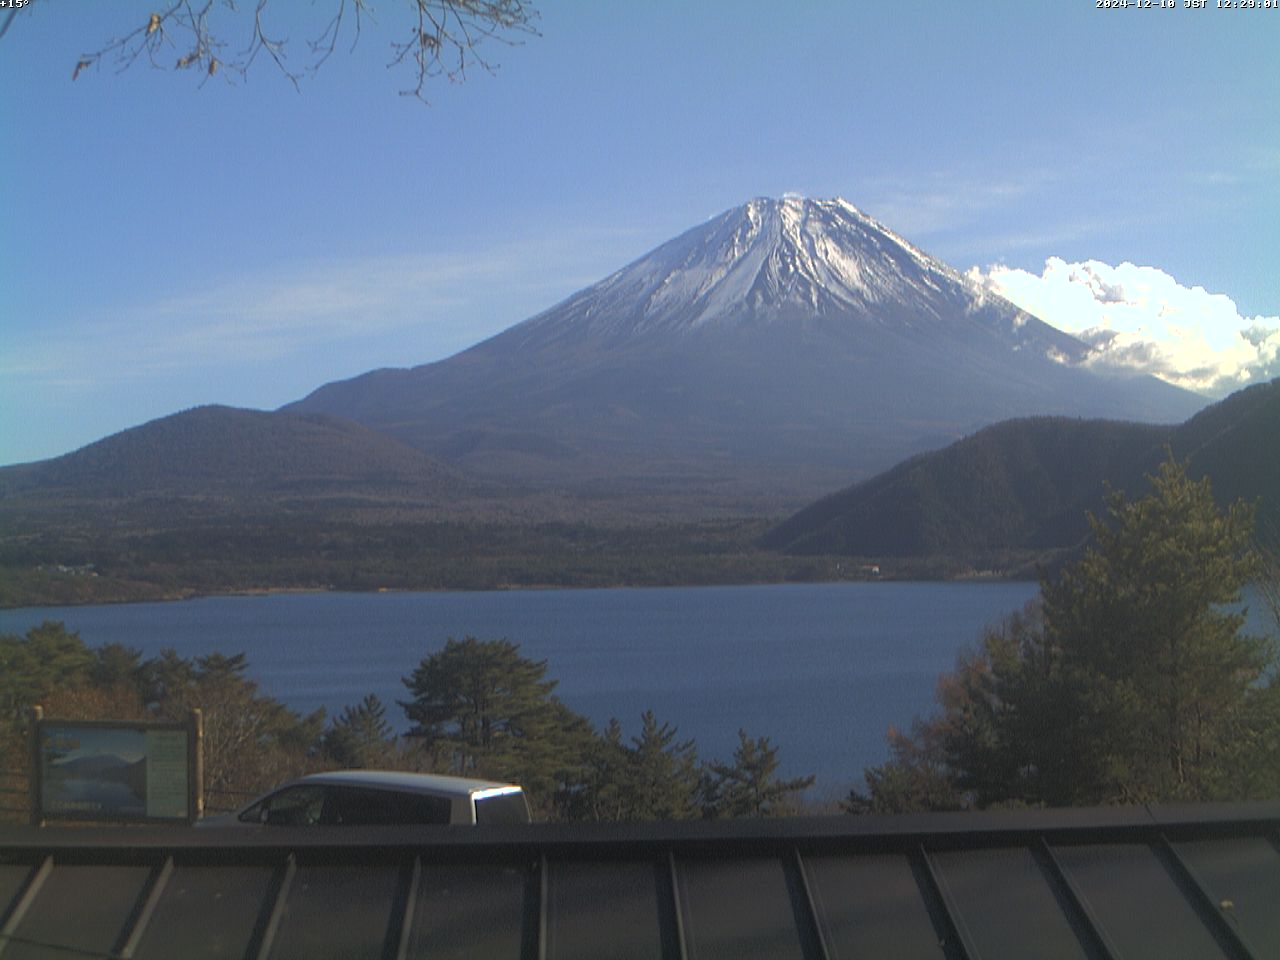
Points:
792	260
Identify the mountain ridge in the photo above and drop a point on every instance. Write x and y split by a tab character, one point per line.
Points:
210	448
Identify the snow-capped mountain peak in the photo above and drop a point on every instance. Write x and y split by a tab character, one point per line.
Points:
766	261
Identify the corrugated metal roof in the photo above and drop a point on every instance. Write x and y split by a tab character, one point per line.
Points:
1196	882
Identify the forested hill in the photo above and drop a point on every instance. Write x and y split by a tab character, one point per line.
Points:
1237	443
991	490
219	451
1026	484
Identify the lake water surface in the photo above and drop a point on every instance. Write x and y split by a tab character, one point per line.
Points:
821	669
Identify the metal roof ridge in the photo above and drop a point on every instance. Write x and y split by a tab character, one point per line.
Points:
958	828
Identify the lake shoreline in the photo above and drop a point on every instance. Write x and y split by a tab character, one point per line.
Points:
107	599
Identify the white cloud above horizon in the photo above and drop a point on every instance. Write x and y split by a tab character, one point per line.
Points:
1142	319
417	307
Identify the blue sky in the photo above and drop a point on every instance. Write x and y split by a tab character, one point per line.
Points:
171	243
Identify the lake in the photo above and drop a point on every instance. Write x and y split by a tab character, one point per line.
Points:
821	669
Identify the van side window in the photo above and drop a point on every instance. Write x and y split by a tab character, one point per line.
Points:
356	806
299	806
502	808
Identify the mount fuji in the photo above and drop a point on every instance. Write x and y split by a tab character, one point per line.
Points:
781	350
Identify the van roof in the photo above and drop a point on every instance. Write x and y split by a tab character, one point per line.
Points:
433	783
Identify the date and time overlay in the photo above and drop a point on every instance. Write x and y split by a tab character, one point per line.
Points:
1272	5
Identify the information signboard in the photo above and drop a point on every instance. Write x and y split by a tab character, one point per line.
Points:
116	771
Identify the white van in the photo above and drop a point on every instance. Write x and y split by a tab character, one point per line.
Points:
372	797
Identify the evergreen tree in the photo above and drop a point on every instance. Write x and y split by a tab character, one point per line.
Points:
748	787
477	699
662	780
655	777
361	736
1145	650
481	709
115	664
602	793
46	658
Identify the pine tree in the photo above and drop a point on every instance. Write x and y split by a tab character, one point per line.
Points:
1150	658
663	773
748	787
48	657
653	777
483	710
361	736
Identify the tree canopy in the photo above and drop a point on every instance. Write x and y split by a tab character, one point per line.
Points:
361	736
750	787
656	776
1130	681
481	709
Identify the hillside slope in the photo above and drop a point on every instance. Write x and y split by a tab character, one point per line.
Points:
1027	484
226	451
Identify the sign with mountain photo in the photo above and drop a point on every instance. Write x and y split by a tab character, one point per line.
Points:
116	771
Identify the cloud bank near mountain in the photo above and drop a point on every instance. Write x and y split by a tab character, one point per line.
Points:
1143	319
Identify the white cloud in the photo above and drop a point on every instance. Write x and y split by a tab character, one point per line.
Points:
915	211
409	309
924	204
1142	319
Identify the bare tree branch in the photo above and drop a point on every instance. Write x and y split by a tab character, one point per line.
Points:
448	36
323	46
4	28
444	38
